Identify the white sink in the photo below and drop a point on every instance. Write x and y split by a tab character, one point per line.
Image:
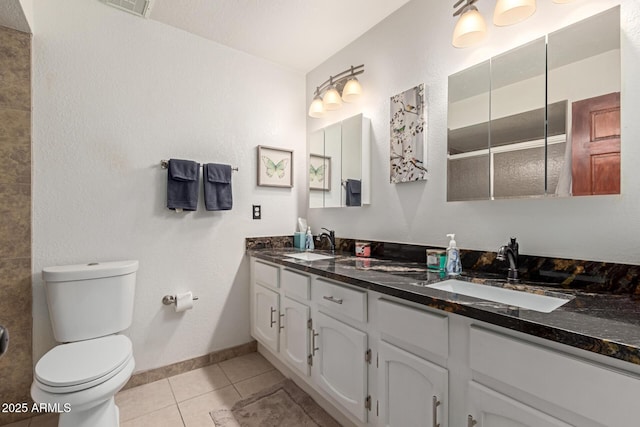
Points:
529	301
309	256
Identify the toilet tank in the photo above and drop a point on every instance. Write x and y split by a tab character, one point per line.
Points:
90	300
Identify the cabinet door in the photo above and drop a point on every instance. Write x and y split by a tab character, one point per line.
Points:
265	316
492	409
339	366
295	334
407	386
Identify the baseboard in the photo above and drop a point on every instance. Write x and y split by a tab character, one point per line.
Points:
163	372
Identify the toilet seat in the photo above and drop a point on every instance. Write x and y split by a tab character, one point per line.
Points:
84	364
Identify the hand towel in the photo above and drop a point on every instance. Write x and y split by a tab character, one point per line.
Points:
183	181
353	192
217	187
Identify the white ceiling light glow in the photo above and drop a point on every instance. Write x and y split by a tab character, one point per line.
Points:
343	87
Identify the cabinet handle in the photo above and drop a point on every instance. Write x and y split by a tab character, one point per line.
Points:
313	342
332	299
273	322
471	422
282	321
436	403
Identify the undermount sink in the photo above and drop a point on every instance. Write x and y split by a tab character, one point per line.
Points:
526	300
309	256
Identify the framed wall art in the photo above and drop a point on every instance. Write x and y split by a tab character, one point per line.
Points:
275	167
408	144
319	172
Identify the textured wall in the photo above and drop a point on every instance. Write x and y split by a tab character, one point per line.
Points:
113	95
413	46
15	214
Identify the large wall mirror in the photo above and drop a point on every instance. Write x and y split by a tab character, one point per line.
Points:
340	164
542	119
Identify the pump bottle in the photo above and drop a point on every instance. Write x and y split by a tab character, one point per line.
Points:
454	266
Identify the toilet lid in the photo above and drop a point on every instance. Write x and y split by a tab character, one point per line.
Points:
83	361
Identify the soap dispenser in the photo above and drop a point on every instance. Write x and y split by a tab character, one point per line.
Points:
454	266
309	245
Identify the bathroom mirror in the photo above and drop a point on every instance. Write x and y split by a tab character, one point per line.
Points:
517	123
584	71
339	164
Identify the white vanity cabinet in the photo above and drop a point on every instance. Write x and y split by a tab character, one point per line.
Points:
265	304
412	389
339	363
384	361
488	408
295	316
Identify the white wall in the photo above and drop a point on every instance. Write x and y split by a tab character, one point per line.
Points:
413	46
113	94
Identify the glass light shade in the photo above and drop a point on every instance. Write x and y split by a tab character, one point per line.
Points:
562	1
509	12
316	109
352	90
470	28
331	99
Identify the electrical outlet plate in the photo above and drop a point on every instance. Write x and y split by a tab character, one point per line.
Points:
257	212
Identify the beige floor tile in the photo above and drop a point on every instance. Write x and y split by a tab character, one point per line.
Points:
166	417
48	420
244	367
144	399
195	412
257	383
197	382
23	423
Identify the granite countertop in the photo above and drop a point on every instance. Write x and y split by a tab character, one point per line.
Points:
607	324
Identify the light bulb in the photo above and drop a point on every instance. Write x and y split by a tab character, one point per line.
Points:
470	28
316	109
331	99
352	90
508	12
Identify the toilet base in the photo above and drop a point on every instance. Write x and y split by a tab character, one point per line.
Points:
106	414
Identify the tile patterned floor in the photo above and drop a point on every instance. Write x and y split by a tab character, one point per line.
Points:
185	400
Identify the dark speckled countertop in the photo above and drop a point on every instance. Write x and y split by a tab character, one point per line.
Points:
607	324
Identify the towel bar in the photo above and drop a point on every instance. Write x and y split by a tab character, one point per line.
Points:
164	164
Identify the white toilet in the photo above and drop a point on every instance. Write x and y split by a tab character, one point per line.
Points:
88	305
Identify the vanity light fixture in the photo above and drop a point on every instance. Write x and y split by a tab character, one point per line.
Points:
509	12
330	94
470	28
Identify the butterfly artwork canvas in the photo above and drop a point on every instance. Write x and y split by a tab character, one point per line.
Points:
319	172
408	144
275	167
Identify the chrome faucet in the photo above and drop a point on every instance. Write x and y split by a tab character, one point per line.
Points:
331	236
510	252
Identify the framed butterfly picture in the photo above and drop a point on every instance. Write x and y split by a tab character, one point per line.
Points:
275	167
319	172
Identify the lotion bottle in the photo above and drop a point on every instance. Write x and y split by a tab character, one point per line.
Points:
454	266
309	245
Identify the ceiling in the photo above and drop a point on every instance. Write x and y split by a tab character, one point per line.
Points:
299	34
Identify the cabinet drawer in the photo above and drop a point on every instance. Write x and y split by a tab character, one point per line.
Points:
296	284
571	383
265	274
340	299
412	327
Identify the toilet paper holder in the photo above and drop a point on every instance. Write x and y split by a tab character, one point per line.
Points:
171	299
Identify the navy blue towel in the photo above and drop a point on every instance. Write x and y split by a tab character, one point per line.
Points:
353	192
217	187
183	181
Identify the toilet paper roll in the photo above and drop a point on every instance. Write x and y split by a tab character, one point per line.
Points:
184	301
